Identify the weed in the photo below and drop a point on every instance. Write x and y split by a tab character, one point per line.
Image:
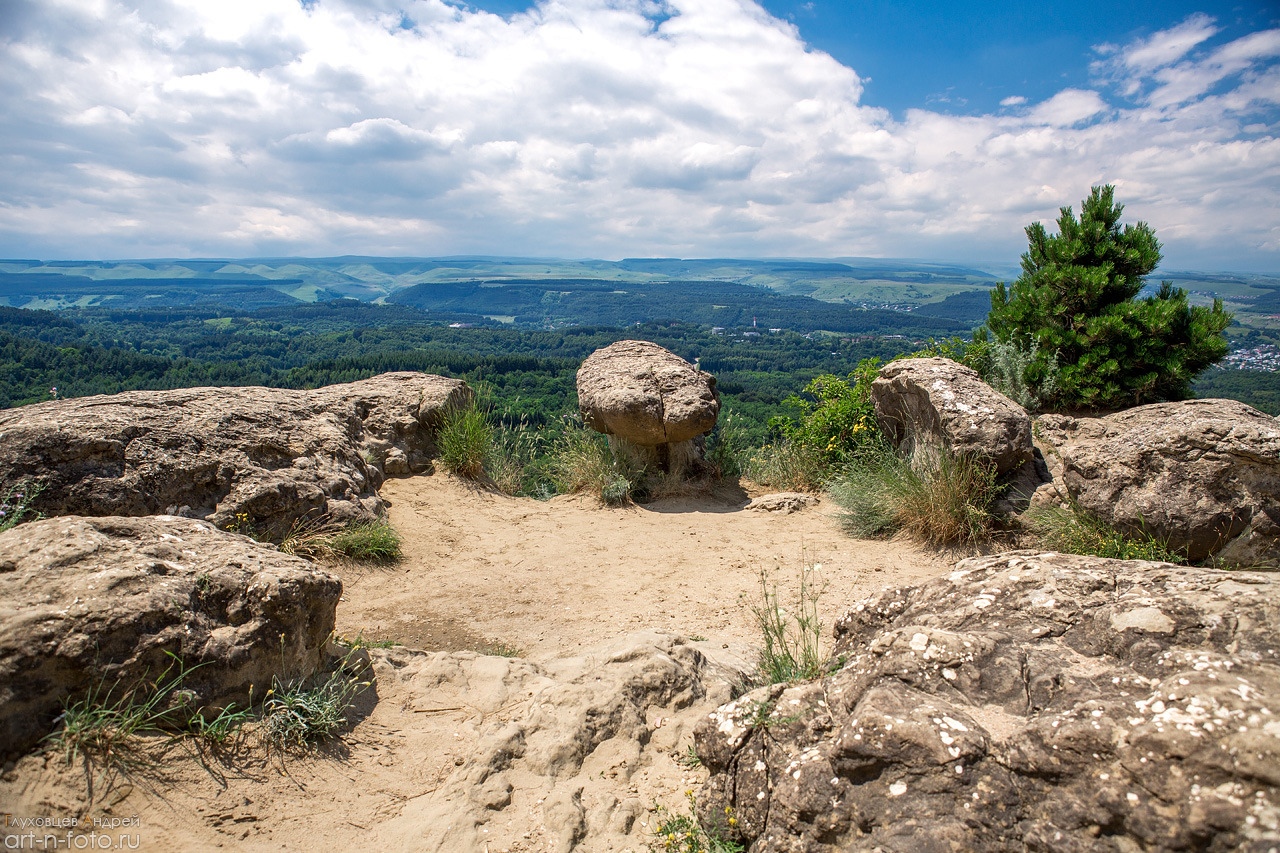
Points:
466	440
1073	531
727	446
697	638
760	715
303	713
15	504
501	649
690	758
937	496
309	538
373	541
682	833
792	642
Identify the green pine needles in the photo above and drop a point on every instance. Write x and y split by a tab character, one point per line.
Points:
1076	301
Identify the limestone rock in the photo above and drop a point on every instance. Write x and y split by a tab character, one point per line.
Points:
96	600
938	402
1203	475
645	394
257	457
1025	701
783	502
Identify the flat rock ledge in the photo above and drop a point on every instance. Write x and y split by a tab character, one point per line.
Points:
249	457
1024	702
87	602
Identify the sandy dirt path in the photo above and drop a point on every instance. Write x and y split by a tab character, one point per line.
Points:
485	571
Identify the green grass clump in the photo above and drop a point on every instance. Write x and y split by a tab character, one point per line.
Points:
792	642
103	726
465	440
372	541
1071	530
303	713
938	497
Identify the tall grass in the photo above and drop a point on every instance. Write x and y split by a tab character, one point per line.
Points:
318	538
937	497
465	440
788	465
582	462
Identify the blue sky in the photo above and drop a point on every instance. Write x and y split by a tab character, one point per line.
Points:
611	128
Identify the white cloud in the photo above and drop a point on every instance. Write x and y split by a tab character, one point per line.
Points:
1168	46
583	127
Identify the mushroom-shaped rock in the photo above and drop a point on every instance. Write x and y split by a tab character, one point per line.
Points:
647	397
646	394
938	402
86	602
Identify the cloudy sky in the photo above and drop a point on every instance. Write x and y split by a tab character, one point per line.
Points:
612	128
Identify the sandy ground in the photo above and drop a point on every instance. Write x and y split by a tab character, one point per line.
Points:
557	583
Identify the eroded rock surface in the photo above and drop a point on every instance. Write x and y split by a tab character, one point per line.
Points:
87	601
1026	701
939	402
565	756
253	457
1203	475
654	405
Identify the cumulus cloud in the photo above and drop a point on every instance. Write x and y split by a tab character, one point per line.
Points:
585	127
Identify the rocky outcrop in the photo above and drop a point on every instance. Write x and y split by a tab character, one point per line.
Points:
938	402
1201	475
246	457
651	402
93	602
783	503
566	756
1025	702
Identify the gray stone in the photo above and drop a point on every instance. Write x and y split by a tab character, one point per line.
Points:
1024	702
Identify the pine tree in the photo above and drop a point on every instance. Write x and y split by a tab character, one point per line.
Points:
1074	308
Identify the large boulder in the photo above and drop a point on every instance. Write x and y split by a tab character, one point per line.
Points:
1201	475
645	396
103	603
938	402
1024	702
248	457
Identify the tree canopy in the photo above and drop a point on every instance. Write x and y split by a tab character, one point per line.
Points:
1093	343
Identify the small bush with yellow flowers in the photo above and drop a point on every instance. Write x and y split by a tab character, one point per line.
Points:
681	833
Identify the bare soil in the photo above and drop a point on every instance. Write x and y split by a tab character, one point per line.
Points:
548	581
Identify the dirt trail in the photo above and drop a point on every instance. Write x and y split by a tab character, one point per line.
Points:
560	581
547	578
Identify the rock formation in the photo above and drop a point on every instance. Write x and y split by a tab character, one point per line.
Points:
938	402
251	457
1037	702
1201	475
104	601
650	402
